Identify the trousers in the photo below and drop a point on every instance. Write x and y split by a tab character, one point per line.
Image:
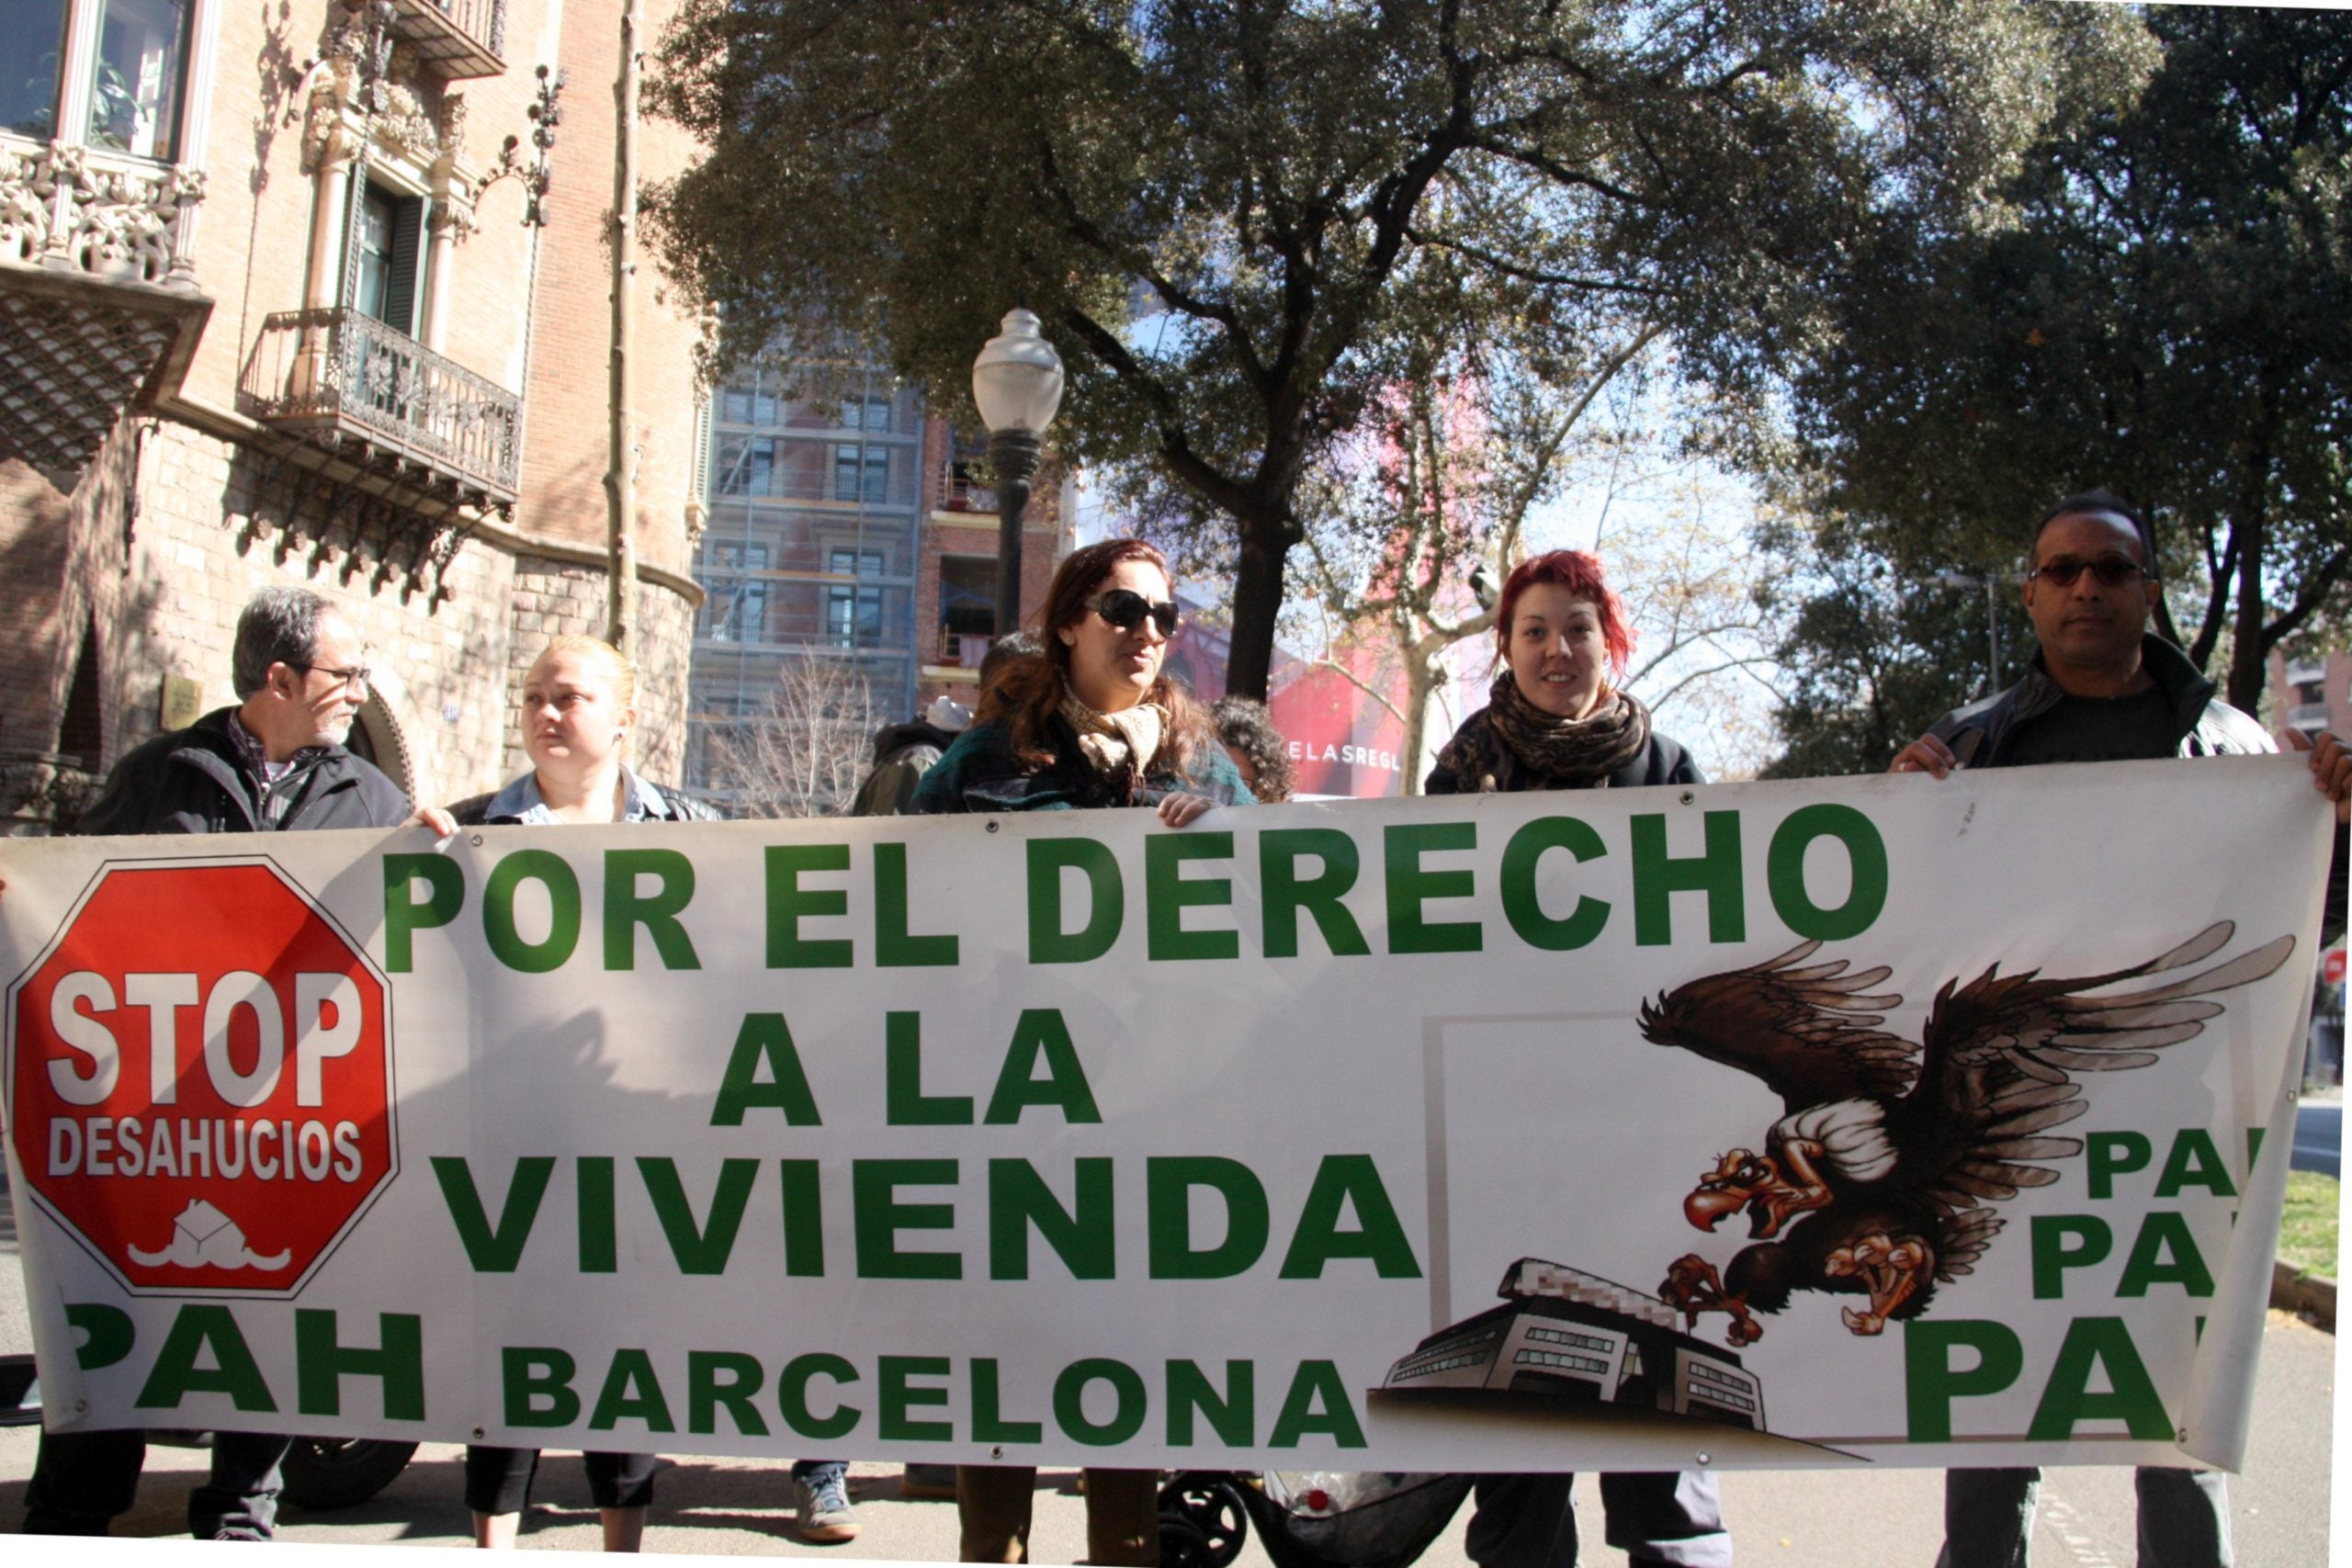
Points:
1662	1517
82	1480
993	1503
2184	1517
498	1480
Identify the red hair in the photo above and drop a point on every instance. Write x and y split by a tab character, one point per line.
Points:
1580	574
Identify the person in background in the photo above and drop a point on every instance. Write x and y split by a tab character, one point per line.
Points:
579	700
1555	719
275	762
1247	731
1092	722
2103	687
904	752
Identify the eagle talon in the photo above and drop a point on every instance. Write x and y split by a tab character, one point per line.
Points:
1890	1269
1693	1285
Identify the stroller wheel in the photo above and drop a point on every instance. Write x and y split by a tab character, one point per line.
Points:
1212	1504
1182	1544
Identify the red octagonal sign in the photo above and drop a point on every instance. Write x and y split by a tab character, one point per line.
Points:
201	1070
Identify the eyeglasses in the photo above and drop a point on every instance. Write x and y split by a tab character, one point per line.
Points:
2113	571
355	676
1124	608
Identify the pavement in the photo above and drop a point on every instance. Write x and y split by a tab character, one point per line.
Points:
1788	1519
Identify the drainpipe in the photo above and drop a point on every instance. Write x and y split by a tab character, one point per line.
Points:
620	486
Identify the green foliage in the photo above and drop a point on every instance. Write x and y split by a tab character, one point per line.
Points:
2307	1230
2171	318
1296	192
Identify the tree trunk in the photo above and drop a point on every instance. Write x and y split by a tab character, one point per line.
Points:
2248	663
1420	685
1257	600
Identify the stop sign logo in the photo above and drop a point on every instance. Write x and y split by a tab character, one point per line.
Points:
200	1068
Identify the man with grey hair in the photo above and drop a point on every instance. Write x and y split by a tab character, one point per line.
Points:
273	762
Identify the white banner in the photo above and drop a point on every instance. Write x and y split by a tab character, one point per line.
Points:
1888	1121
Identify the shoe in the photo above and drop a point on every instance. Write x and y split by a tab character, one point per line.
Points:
822	1499
928	1481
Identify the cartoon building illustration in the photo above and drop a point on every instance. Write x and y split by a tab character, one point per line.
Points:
1575	1336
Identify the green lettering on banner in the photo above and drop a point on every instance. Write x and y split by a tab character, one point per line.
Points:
106	1330
2194	1162
1040	1032
1865	859
894	946
2052	1257
1657	876
176	1375
321	1362
904	1103
792	1395
2254	1145
1231	1414
789	904
631	1393
599	1228
698	1249
626	909
803	1220
536	1379
988	1424
552	872
1343	1181
1130	1403
1409	887
445	895
1166	896
1050	940
730	1378
874	1200
1285	893
764	1039
2164	1253
493	1249
900	1396
1521	905
2094	1344
1169	1183
1082	1236
1930	1382
2107	1155
1317	1402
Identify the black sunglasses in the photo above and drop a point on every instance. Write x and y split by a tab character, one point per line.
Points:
2113	571
1124	608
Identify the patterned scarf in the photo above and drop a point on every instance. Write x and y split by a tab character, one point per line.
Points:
1578	753
1116	741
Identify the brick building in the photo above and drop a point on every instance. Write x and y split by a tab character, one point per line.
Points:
2312	690
320	292
848	532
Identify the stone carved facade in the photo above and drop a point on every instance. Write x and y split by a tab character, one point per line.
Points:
109	215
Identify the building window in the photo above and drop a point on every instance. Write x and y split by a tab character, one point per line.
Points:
746	467
853	616
737	609
387	256
862	473
871	414
966	608
33	32
135	83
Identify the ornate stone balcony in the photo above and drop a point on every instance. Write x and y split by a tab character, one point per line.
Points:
348	382
98	305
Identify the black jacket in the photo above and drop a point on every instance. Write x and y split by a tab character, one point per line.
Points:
902	754
474	810
1660	761
191	781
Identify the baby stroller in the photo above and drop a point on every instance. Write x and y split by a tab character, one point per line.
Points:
1305	1518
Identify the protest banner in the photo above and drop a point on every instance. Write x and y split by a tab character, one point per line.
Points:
1885	1121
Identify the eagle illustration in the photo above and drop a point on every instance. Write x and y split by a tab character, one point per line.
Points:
1876	1180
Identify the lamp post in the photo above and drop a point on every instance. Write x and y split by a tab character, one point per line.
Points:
1990	584
1017	382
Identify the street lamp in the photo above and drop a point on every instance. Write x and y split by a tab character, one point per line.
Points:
1017	382
1990	584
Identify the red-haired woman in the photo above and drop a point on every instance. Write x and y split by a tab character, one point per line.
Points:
1093	722
1555	718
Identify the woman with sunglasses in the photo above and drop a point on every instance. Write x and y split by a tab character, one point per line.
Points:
1092	721
579	700
1555	719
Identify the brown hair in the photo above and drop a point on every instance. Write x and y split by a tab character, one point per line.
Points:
1029	691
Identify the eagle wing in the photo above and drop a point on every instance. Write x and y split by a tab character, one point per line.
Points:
2001	1051
1809	1032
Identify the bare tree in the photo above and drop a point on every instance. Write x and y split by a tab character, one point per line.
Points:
806	749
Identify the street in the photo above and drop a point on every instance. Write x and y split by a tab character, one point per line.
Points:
2318	1136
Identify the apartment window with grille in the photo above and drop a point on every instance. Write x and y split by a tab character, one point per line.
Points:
862	473
871	414
853	616
747	465
737	606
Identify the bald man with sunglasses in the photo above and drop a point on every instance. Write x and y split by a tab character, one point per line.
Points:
2105	688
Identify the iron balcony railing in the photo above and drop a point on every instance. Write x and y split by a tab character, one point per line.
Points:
959	491
344	376
455	37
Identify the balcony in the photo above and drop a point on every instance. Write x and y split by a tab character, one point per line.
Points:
2306	672
958	492
2308	716
454	38
346	380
